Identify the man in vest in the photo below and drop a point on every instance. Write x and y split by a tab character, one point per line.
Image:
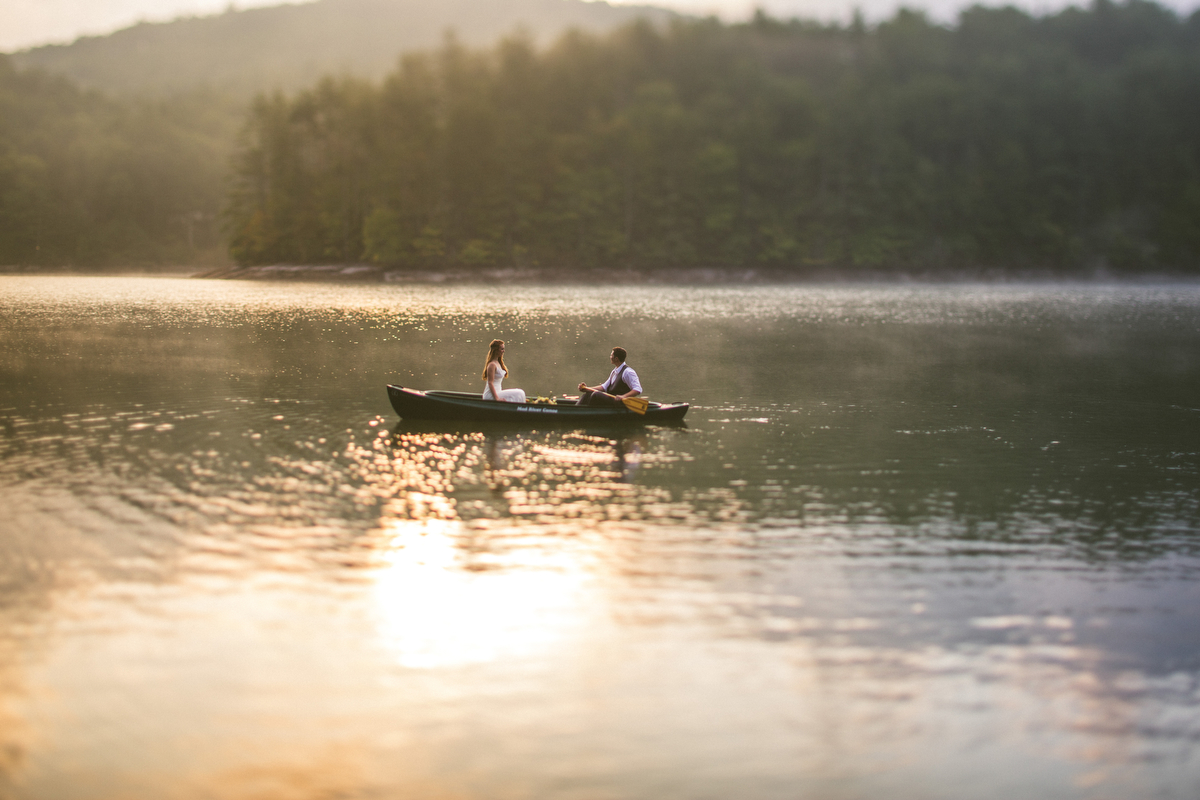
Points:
622	383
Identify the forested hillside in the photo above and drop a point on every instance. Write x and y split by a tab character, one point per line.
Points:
88	181
291	47
1066	142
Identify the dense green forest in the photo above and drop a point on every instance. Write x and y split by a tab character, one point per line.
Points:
136	176
1069	141
88	181
1065	142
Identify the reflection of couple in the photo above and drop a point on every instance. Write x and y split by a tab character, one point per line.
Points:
623	382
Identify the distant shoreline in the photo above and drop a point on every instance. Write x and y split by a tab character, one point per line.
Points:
682	276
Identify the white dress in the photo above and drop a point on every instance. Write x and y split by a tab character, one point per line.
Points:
506	395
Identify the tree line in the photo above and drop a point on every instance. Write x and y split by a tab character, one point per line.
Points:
88	181
1066	142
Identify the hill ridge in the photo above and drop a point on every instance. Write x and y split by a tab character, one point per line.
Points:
289	47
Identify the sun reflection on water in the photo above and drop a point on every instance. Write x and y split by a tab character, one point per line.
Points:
435	610
484	551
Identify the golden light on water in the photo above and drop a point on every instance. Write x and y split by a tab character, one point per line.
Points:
450	591
229	572
435	610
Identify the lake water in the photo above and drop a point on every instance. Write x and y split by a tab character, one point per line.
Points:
912	542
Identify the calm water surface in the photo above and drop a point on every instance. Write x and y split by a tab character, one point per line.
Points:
912	542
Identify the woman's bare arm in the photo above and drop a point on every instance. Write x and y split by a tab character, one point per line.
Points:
491	379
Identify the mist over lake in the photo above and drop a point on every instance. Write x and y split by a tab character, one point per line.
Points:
926	541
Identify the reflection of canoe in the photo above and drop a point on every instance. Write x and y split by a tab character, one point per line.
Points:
414	404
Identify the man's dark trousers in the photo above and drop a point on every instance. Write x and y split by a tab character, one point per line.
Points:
598	399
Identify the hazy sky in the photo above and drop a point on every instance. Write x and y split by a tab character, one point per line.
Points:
872	9
24	23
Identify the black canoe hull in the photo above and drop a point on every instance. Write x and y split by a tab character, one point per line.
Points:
463	406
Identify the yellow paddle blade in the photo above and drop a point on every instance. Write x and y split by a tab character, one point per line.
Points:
637	405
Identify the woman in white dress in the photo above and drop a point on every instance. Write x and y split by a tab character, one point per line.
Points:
494	372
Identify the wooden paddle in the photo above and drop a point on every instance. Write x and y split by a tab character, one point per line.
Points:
637	405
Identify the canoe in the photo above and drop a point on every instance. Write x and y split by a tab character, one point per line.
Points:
433	404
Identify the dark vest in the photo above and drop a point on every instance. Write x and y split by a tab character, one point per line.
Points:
620	387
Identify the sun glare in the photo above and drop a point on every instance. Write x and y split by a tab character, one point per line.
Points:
436	611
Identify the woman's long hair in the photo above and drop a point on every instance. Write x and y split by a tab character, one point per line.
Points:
494	354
